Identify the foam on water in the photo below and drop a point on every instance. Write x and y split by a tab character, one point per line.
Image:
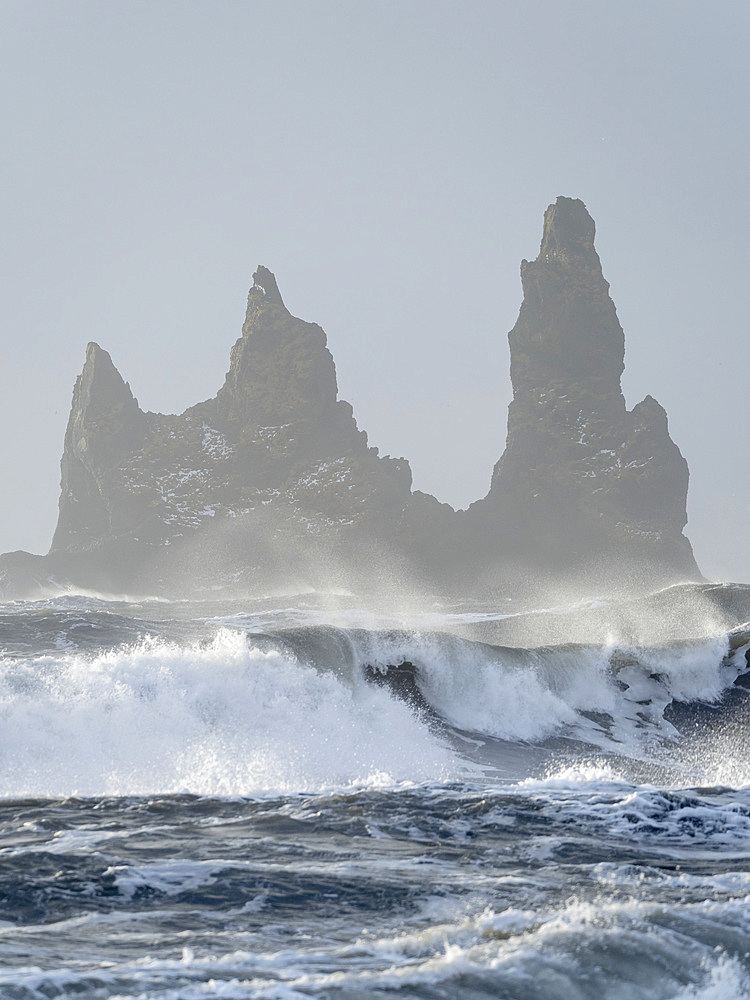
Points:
247	714
601	803
170	877
343	844
224	718
530	694
725	980
577	951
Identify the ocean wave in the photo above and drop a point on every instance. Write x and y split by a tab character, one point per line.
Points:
217	718
310	707
600	694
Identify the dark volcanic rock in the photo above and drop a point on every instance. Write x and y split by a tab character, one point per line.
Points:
24	576
105	426
583	484
272	483
269	480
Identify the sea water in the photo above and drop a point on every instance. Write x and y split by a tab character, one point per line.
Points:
298	797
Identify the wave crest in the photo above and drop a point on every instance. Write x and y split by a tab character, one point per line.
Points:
222	718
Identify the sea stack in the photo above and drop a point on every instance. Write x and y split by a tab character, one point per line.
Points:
584	486
269	481
272	484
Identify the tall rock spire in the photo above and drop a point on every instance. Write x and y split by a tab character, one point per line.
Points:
264	282
270	479
280	368
104	426
568	326
582	481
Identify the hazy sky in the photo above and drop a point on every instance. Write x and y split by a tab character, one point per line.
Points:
391	163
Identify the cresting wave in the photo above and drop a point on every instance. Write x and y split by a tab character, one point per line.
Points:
292	710
375	800
218	718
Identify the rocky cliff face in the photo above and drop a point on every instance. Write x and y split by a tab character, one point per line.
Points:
271	481
105	426
583	484
269	477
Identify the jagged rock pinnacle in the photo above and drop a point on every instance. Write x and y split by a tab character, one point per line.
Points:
264	282
568	232
269	470
101	393
582	481
105	425
567	328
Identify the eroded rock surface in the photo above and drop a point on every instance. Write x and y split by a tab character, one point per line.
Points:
271	482
270	479
583	484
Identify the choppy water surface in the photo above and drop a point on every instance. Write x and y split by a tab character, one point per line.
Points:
292	799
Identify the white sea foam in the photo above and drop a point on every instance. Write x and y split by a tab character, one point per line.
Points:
502	951
247	715
219	719
725	980
625	947
171	876
80	840
592	797
531	694
665	820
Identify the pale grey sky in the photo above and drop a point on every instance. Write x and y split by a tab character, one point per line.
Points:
391	163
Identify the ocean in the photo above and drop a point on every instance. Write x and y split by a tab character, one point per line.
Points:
306	795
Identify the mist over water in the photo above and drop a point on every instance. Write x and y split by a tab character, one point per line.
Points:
275	723
106	697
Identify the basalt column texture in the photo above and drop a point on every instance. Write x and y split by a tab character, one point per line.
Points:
583	484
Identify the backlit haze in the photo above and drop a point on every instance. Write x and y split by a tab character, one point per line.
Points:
391	163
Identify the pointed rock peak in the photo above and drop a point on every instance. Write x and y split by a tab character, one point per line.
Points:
649	403
98	357
100	382
264	283
650	411
568	232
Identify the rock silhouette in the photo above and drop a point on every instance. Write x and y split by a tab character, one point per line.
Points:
271	482
584	485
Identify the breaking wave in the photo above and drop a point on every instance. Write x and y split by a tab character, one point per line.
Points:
224	718
317	707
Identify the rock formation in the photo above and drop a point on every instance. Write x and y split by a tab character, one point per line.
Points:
584	485
272	483
271	480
